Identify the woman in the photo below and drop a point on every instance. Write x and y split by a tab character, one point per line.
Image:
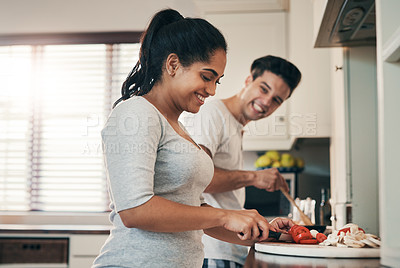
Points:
156	172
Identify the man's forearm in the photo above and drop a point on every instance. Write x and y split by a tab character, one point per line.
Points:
229	180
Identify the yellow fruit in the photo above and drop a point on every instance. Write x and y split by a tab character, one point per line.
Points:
263	161
299	162
273	155
276	164
287	160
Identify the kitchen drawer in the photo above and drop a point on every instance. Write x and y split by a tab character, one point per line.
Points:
86	245
81	261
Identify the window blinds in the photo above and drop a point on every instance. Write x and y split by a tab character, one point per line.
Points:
54	101
15	78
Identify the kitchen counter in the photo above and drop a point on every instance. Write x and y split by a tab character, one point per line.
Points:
53	229
254	259
259	260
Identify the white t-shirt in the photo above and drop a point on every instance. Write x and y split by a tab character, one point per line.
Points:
217	129
144	157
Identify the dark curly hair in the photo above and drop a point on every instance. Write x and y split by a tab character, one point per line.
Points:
281	67
192	39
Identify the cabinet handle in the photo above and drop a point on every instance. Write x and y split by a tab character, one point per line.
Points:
338	68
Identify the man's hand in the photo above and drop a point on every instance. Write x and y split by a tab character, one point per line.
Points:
270	180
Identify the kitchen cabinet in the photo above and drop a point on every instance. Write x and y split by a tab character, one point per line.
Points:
388	69
250	36
309	106
288	34
353	148
362	126
84	249
354	145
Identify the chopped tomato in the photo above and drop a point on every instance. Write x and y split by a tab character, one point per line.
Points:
297	229
321	237
309	241
303	236
299	233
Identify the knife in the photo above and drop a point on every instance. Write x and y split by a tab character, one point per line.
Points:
280	236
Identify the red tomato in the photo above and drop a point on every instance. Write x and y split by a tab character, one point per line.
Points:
299	233
309	241
297	229
321	237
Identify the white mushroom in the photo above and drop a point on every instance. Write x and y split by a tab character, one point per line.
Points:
374	239
353	238
332	239
352	242
369	243
314	233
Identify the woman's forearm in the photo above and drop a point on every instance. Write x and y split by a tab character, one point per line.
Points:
162	215
228	236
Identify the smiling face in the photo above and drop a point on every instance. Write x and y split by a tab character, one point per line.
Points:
262	96
193	84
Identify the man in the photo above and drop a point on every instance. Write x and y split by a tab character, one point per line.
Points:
218	129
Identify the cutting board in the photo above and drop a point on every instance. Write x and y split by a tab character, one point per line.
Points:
291	249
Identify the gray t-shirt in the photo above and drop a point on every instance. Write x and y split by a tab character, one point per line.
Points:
217	129
144	156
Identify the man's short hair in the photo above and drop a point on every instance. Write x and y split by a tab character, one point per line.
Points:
281	67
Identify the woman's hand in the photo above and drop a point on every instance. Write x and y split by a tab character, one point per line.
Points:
247	224
281	225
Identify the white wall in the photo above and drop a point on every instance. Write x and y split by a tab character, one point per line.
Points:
56	16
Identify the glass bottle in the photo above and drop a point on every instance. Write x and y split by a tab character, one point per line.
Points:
325	208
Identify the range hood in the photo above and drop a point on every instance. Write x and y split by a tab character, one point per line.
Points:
347	23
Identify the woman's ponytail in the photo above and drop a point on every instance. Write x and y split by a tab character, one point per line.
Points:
140	81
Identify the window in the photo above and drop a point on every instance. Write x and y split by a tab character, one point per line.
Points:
54	100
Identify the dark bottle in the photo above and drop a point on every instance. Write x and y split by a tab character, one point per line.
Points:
325	208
